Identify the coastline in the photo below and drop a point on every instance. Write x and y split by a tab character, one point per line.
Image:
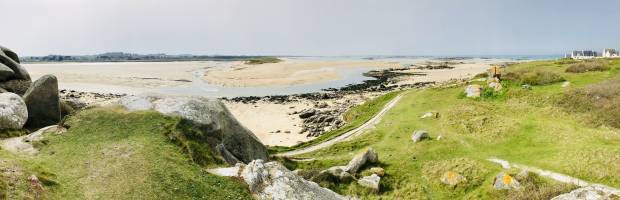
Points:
275	119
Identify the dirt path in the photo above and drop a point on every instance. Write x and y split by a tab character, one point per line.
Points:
367	125
549	174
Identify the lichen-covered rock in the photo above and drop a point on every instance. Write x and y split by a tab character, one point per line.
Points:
592	192
378	171
370	155
272	181
504	181
13	111
418	136
43	102
473	91
371	182
452	178
232	141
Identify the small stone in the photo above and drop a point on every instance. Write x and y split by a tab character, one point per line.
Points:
452	178
420	135
565	84
371	182
427	115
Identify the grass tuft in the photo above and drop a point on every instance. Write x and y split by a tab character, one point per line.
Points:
536	77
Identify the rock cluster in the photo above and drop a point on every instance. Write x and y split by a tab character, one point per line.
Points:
40	98
316	122
272	181
225	134
344	174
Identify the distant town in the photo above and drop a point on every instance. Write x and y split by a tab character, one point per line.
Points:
589	54
132	57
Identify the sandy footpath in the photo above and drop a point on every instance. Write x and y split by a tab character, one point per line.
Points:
288	72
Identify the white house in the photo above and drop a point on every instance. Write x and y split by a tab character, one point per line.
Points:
608	53
585	54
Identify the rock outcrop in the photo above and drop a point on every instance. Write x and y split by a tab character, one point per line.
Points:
272	181
17	80
233	142
13	111
43	102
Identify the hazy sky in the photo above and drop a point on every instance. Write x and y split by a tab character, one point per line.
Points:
309	27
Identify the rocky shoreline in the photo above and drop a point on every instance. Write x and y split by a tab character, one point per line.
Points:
323	115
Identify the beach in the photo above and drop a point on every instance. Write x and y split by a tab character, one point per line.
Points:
274	122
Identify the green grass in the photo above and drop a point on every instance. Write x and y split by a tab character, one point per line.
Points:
111	154
519	125
354	117
263	60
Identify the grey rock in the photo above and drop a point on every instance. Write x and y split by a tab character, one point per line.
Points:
592	192
272	181
333	174
504	181
9	53
473	91
452	178
307	113
370	155
13	111
371	182
16	86
10	59
5	72
419	135
234	142
43	102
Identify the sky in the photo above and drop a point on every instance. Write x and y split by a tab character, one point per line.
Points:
309	27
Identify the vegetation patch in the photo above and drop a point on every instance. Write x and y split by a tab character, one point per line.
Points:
600	101
473	171
113	154
263	60
535	77
6	133
588	66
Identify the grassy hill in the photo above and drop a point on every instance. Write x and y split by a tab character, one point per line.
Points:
108	153
571	130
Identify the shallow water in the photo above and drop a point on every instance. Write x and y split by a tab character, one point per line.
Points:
202	88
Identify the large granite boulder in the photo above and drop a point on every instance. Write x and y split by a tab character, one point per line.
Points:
5	72
272	181
13	111
43	102
11	60
225	134
13	77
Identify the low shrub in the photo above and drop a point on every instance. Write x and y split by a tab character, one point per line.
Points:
602	101
536	77
588	66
